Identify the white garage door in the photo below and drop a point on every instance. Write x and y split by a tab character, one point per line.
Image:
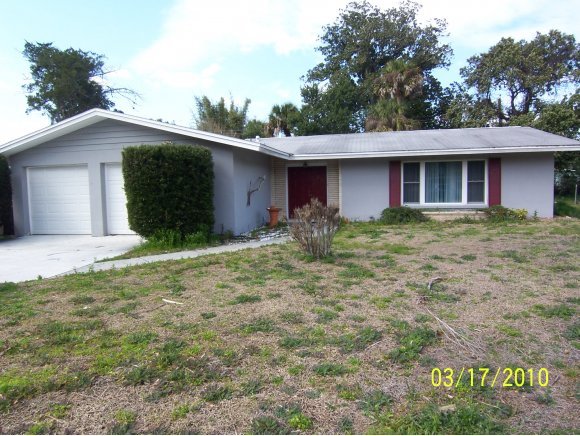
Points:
117	221
59	200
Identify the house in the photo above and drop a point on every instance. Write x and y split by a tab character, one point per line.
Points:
67	179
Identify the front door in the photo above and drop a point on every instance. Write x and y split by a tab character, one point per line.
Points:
305	183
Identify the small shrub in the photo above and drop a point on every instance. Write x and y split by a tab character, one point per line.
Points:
499	214
402	215
315	228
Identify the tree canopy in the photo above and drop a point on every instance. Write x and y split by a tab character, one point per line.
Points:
216	117
364	39
67	82
284	120
512	77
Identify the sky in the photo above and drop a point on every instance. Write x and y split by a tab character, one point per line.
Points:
170	51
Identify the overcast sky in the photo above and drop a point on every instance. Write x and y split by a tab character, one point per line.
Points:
171	51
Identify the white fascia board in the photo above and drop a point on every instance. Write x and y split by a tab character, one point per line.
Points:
48	133
94	116
451	152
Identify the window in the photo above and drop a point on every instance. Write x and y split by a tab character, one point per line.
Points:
440	183
443	182
476	181
411	182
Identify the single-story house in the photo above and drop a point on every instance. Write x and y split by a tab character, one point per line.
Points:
67	178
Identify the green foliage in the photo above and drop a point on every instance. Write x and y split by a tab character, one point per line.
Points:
373	403
124	422
246	298
255	128
402	215
330	369
500	214
411	342
522	70
169	191
268	425
284	120
556	311
301	422
356	47
566	207
217	393
217	118
465	419
262	324
63	82
6	217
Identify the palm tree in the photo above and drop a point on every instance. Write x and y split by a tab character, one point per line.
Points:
397	83
283	119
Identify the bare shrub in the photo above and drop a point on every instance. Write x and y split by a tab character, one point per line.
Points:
315	227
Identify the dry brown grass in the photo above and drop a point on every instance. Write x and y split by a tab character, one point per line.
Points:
346	311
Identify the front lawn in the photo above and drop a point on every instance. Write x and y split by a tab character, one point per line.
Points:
269	341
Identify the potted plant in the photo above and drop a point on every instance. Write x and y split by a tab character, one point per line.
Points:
274	214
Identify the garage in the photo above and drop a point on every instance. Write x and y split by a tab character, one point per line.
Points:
59	200
117	220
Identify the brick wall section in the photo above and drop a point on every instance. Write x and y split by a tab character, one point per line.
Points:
278	183
332	181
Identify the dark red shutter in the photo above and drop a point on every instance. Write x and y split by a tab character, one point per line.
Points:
494	181
394	183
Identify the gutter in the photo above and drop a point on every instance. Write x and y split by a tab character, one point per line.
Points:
448	152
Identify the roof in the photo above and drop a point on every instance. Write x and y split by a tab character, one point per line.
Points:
354	145
423	143
94	116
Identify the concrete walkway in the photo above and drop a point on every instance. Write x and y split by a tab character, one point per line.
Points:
122	263
28	257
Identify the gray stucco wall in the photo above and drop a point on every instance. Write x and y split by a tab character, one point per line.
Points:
364	188
102	143
248	166
527	182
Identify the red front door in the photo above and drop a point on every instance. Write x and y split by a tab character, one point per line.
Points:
305	183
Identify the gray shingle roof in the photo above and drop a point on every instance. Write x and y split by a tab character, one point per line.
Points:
416	141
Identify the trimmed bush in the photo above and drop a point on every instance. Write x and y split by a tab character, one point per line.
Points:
6	217
169	187
402	215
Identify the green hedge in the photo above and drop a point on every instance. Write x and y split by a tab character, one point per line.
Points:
402	215
169	187
6	217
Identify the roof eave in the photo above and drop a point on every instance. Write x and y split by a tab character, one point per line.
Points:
456	152
94	116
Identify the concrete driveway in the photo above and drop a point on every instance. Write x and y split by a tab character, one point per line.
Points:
28	257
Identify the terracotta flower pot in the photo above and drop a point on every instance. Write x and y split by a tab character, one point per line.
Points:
274	213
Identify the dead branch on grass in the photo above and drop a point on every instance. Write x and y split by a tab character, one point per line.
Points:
450	333
171	301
